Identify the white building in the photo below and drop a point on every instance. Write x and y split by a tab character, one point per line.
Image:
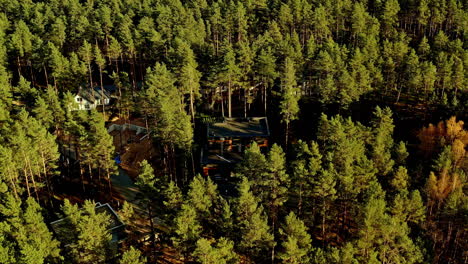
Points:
87	99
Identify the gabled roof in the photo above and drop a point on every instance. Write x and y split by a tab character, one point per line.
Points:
92	96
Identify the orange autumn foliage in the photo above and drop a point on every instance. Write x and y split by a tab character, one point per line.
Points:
445	133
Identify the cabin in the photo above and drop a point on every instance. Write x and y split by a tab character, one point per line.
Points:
87	99
227	140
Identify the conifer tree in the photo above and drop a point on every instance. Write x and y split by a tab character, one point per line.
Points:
147	181
296	243
35	241
255	236
101	63
276	185
202	195
43	113
220	253
253	166
190	76
187	228
383	142
172	124
401	154
265	65
290	94
102	143
383	238
21	42
300	172
324	190
86	54
94	237
132	256
229	73
173	198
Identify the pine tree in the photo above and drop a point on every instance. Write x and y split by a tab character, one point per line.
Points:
383	237
173	124
303	167
383	142
147	180
207	252
21	42
35	241
400	179
255	236
409	207
296	243
127	212
253	166
43	113
114	51
324	190
290	95
187	228
132	256
189	76
93	236
173	198
101	63
390	17
229	73
265	65
102	143
275	187
401	154
86	54
202	195
24	236
246	57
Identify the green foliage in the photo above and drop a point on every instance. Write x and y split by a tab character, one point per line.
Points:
409	207
166	109
127	212
222	252
296	241
132	256
255	236
187	228
25	236
147	180
89	230
400	179
290	93
173	197
253	166
383	141
384	237
332	55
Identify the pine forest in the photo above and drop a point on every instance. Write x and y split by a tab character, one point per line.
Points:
233	131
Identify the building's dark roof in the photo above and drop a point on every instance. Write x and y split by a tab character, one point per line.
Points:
91	96
239	127
62	230
213	156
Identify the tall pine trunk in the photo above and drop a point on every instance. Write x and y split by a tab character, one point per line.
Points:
102	94
192	111
229	99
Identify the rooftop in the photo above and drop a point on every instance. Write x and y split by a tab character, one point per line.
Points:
239	127
214	156
92	96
